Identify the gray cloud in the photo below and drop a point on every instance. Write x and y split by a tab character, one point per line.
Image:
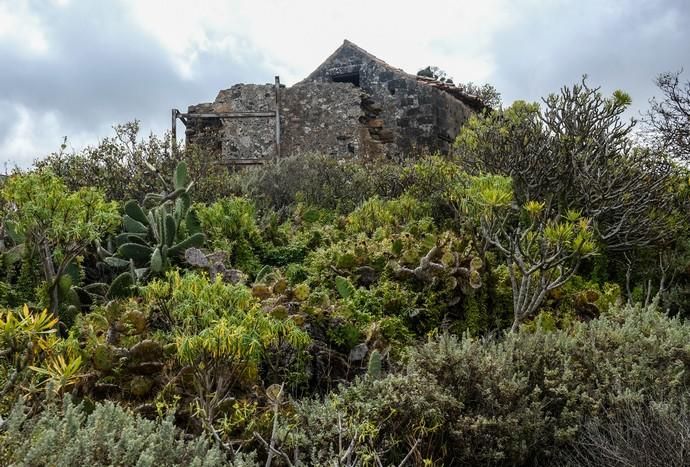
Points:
618	44
103	69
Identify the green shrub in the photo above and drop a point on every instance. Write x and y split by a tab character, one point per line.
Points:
517	401
230	225
388	215
317	180
106	436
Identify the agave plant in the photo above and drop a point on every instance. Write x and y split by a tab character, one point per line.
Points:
60	374
23	335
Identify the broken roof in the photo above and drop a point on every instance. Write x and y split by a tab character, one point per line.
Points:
470	100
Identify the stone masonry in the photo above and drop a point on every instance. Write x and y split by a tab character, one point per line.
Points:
352	105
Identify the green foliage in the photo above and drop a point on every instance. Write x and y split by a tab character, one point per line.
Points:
344	287
25	335
195	303
387	216
155	237
105	435
231	226
57	224
374	366
543	247
119	165
323	273
517	401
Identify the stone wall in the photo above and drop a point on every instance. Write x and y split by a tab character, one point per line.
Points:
315	117
418	117
353	105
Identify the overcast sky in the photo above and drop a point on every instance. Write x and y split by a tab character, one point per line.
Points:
76	67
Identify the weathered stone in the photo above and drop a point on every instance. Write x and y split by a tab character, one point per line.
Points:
337	110
358	352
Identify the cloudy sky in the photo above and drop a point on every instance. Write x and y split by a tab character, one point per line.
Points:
76	67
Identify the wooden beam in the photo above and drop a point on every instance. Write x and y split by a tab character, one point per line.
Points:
173	130
229	115
245	161
277	86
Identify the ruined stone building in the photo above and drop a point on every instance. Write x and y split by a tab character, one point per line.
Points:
352	105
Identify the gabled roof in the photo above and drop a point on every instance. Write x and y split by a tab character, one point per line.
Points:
351	45
471	101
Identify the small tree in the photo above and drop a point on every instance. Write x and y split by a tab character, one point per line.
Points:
668	120
543	247
57	225
577	154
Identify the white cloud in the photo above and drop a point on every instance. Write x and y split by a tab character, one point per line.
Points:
19	26
293	37
32	134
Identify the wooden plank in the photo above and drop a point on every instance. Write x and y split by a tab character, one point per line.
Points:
173	130
248	161
230	115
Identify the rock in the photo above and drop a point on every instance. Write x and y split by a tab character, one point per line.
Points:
195	257
358	352
366	275
234	276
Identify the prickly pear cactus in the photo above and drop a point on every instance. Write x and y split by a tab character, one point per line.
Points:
156	233
375	365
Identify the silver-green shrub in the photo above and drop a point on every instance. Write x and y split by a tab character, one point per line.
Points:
106	436
518	400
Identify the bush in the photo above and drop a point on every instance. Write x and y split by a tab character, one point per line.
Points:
126	167
107	436
649	434
230	225
522	400
317	180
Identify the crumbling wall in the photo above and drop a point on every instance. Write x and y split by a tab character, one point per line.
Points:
416	117
236	138
353	105
321	117
315	117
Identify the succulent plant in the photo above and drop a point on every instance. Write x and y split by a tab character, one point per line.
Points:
155	234
375	364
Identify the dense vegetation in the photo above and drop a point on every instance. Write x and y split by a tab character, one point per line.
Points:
521	302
